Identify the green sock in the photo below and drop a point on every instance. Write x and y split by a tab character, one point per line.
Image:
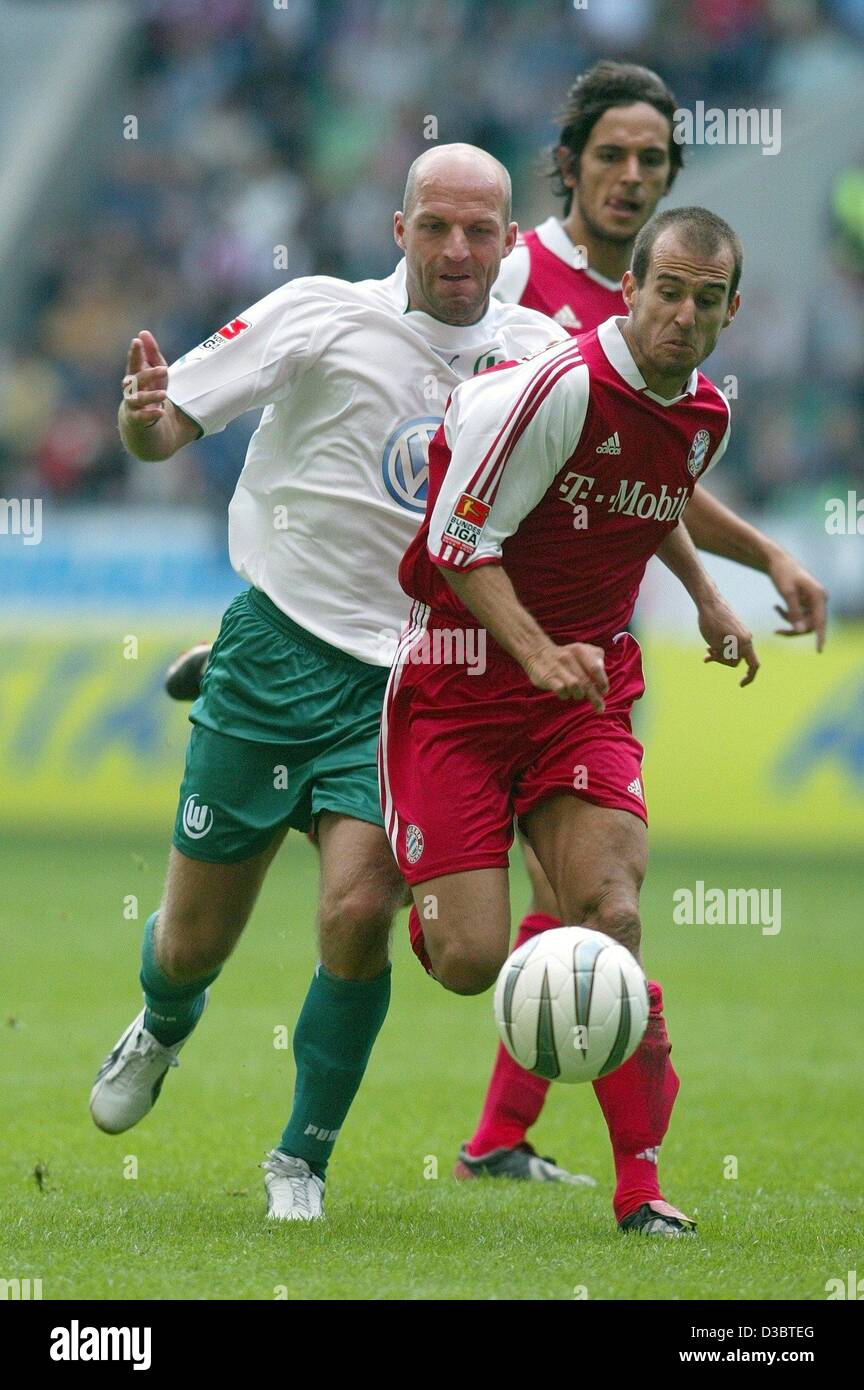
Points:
335	1032
172	1009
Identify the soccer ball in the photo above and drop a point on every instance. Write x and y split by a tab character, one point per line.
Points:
571	1004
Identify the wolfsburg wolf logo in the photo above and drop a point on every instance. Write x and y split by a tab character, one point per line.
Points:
197	820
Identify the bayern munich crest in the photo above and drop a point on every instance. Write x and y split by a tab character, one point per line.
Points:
405	464
414	843
698	451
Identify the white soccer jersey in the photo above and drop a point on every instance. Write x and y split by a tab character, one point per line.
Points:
353	386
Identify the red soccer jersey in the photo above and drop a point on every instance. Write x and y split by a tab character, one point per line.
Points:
547	272
567	470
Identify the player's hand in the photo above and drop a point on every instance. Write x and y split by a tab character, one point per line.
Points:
729	640
574	672
146	380
805	599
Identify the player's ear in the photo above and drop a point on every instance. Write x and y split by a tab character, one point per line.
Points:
510	236
568	165
629	288
399	230
734	306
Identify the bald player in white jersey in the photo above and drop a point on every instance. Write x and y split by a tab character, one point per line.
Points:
353	379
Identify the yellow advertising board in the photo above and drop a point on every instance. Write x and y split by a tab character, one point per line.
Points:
778	764
89	741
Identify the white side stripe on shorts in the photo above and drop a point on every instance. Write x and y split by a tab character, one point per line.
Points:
415	630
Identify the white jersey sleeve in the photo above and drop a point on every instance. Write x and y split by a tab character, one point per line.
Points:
513	275
509	433
724	442
252	361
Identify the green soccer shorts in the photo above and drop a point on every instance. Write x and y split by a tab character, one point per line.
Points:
286	727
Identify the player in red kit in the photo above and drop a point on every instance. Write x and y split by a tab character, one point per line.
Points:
539	533
614	162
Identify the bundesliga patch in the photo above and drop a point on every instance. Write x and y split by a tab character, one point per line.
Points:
466	523
698	451
226	334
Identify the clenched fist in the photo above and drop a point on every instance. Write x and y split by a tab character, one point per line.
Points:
573	672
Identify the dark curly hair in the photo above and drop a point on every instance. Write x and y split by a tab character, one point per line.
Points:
605	85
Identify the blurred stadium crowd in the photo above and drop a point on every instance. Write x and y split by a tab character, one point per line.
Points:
290	123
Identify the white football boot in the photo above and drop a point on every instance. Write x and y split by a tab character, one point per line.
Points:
294	1192
130	1079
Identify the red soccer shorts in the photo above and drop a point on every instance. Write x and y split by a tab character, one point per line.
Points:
462	753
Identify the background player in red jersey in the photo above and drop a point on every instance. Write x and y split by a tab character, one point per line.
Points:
614	162
461	752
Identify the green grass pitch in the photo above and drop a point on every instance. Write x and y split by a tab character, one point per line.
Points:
766	1037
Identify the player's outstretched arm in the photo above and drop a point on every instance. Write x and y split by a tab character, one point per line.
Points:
573	672
729	640
151	426
717	529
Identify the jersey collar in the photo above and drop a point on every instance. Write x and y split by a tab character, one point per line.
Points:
552	235
435	331
611	339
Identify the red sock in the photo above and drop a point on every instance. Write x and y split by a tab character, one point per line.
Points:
637	1101
515	1097
418	943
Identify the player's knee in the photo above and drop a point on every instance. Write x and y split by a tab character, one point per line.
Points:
357	913
616	917
465	971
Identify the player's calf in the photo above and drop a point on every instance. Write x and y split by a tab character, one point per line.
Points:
205	908
185	959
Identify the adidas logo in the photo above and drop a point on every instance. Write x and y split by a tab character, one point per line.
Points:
636	788
611	446
567	318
